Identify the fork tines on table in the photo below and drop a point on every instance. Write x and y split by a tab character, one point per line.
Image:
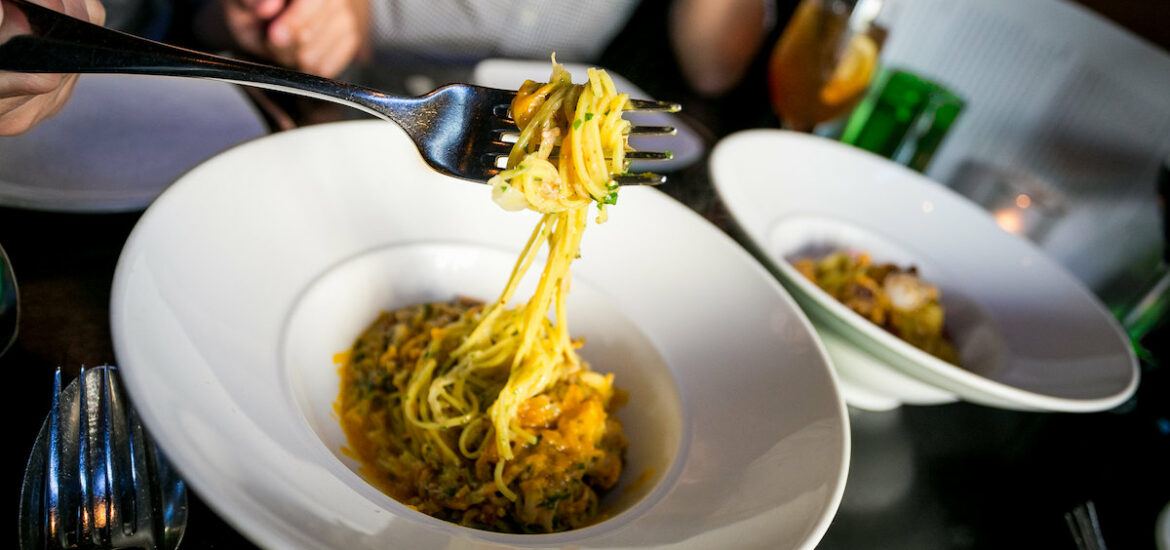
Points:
103	484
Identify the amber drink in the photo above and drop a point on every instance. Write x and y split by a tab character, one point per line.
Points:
824	60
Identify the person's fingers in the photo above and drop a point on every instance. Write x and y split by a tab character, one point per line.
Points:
283	55
55	5
317	33
96	11
59	97
263	9
337	59
75	9
297	17
321	26
26	99
11	104
243	27
26	84
286	33
16	121
18	115
332	48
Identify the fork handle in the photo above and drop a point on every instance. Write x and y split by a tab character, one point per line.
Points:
57	43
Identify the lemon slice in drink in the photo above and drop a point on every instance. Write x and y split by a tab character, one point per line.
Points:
853	71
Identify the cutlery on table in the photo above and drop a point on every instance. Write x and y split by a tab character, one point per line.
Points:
9	303
461	130
95	478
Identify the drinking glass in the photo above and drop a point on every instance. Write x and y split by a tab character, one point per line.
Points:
825	59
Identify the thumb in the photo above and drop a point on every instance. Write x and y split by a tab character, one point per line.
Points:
97	12
264	9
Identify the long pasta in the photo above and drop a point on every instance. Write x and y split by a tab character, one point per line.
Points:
594	132
489	382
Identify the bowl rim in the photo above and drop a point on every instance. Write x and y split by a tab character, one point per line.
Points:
916	360
268	530
650	496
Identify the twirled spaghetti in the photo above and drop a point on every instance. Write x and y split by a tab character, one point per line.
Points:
486	415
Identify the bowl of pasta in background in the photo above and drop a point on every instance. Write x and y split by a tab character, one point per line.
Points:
1029	335
247	276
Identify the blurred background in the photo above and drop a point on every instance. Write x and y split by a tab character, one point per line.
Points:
1054	115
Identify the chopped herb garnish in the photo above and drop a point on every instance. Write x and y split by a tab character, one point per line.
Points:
609	199
551	502
588	117
577	124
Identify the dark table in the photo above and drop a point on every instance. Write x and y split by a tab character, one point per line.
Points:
951	476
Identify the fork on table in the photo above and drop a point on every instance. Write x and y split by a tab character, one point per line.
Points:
95	479
461	130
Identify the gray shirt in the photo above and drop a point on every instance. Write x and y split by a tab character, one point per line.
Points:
577	30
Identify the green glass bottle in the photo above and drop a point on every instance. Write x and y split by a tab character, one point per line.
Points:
904	118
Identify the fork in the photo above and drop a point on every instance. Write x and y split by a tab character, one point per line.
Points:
95	478
460	130
1085	527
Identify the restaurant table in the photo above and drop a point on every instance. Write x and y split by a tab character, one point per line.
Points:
932	477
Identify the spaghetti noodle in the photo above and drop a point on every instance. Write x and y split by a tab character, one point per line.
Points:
486	415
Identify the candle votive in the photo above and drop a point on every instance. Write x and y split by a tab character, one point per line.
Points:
1020	202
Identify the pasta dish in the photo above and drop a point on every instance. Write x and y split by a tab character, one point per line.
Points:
889	296
485	415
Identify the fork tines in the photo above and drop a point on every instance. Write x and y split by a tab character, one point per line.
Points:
656	106
506	134
99	471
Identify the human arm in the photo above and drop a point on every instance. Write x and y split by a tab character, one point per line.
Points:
27	99
321	37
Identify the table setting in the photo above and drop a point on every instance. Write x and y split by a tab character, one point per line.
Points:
192	311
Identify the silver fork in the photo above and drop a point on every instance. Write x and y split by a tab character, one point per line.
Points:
1085	528
459	129
95	478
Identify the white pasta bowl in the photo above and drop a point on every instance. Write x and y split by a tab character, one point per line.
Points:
1029	335
245	277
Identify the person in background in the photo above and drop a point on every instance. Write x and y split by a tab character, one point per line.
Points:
715	41
471	30
26	99
320	37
